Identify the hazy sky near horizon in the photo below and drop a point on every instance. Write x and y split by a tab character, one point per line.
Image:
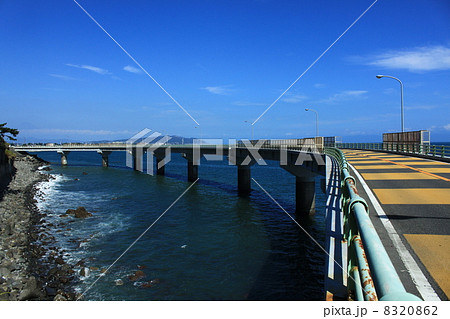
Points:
224	62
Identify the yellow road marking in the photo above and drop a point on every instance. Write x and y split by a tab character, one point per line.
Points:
437	170
383	166
425	163
413	195
395	176
365	161
433	252
427	171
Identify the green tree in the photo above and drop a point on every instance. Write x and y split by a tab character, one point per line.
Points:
7	132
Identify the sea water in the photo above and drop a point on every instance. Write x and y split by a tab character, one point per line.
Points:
210	245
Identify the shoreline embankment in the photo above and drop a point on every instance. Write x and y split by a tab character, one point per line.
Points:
29	270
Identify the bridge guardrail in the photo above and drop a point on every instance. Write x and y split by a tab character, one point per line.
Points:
371	272
437	151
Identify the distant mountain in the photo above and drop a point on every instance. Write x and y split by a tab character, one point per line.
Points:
174	139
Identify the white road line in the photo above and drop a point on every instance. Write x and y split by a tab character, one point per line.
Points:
422	284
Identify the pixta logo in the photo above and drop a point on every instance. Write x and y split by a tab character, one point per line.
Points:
153	145
148	144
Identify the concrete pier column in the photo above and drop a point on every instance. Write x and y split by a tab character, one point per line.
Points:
63	157
137	159
160	170
137	162
105	157
305	195
244	179
192	171
192	167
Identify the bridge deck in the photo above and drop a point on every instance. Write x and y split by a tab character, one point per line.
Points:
414	194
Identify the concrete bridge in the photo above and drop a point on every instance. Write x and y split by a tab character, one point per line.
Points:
305	162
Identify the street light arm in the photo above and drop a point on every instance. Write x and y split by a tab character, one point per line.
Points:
391	77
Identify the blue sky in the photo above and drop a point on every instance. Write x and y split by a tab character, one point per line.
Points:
224	62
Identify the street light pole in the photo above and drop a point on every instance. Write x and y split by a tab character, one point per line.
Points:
401	96
317	120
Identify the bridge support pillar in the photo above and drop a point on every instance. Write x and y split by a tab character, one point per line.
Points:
136	160
160	170
305	195
192	171
105	157
305	189
63	157
244	179
192	167
162	158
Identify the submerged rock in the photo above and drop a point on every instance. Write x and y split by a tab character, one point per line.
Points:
85	272
137	275
150	283
80	212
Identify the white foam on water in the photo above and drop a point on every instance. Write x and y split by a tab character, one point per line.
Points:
45	189
55	196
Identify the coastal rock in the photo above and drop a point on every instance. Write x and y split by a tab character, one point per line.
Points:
85	272
80	212
119	282
150	283
60	297
4	295
147	284
28	294
51	292
8	230
137	275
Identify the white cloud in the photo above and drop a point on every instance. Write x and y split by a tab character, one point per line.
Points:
346	95
90	68
63	77
447	127
246	103
294	98
416	59
132	69
220	90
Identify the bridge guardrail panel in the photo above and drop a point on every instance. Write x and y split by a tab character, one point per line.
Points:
373	276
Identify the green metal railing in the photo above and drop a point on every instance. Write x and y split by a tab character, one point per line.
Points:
371	274
438	151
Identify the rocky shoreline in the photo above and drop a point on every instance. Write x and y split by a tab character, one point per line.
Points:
31	268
